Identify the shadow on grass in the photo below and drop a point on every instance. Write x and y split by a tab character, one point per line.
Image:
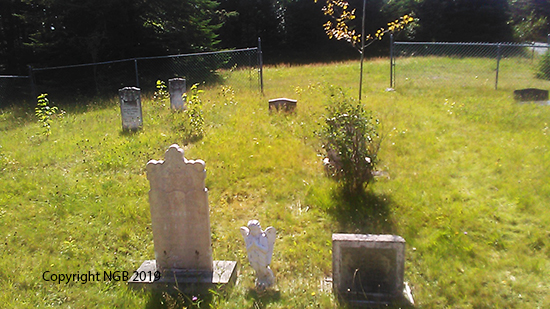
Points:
262	299
178	300
362	212
17	115
22	113
127	132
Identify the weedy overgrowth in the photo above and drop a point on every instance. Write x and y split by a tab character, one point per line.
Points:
45	114
190	122
350	141
161	94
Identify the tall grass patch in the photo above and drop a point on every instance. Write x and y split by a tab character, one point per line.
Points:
465	182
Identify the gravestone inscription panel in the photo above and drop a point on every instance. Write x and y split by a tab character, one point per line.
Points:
177	87
130	108
369	269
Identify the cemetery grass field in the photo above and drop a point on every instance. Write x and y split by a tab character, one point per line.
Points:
467	186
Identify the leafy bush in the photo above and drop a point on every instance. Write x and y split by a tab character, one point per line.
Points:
544	67
44	113
190	122
161	95
350	141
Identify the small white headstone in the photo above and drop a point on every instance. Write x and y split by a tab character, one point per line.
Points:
177	88
130	108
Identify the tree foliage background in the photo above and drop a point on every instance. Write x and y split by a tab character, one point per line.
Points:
58	32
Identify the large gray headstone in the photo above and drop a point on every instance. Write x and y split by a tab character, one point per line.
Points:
368	269
179	211
181	228
177	88
130	108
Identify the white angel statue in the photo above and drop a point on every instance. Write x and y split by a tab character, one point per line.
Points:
259	245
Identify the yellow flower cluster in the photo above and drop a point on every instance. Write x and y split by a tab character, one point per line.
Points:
339	29
398	24
341	15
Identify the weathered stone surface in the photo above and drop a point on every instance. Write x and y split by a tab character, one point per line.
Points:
181	230
259	246
179	212
130	108
282	104
369	269
177	87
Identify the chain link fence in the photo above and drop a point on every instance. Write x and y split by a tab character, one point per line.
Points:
241	68
14	88
505	66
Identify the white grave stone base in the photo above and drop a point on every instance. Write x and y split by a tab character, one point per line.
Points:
130	108
177	87
182	280
181	228
368	269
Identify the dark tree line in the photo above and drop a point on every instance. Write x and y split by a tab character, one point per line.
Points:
57	32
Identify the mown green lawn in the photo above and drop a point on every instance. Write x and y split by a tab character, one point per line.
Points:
468	188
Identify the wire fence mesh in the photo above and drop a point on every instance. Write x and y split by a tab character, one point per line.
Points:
14	89
106	78
504	66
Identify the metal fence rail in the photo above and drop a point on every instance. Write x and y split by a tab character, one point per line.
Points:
109	76
240	67
487	65
14	88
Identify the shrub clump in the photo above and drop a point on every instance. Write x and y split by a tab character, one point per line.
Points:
45	114
350	141
190	122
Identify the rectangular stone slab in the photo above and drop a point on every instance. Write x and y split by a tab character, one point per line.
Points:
368	269
531	94
177	87
130	108
185	281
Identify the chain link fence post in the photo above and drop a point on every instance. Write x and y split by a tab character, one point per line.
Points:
499	55
392	63
261	64
137	73
32	84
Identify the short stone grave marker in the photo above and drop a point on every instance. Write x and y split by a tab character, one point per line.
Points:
177	87
368	269
181	229
531	94
282	104
130	108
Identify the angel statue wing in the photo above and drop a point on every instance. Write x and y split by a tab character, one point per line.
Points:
271	235
244	231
